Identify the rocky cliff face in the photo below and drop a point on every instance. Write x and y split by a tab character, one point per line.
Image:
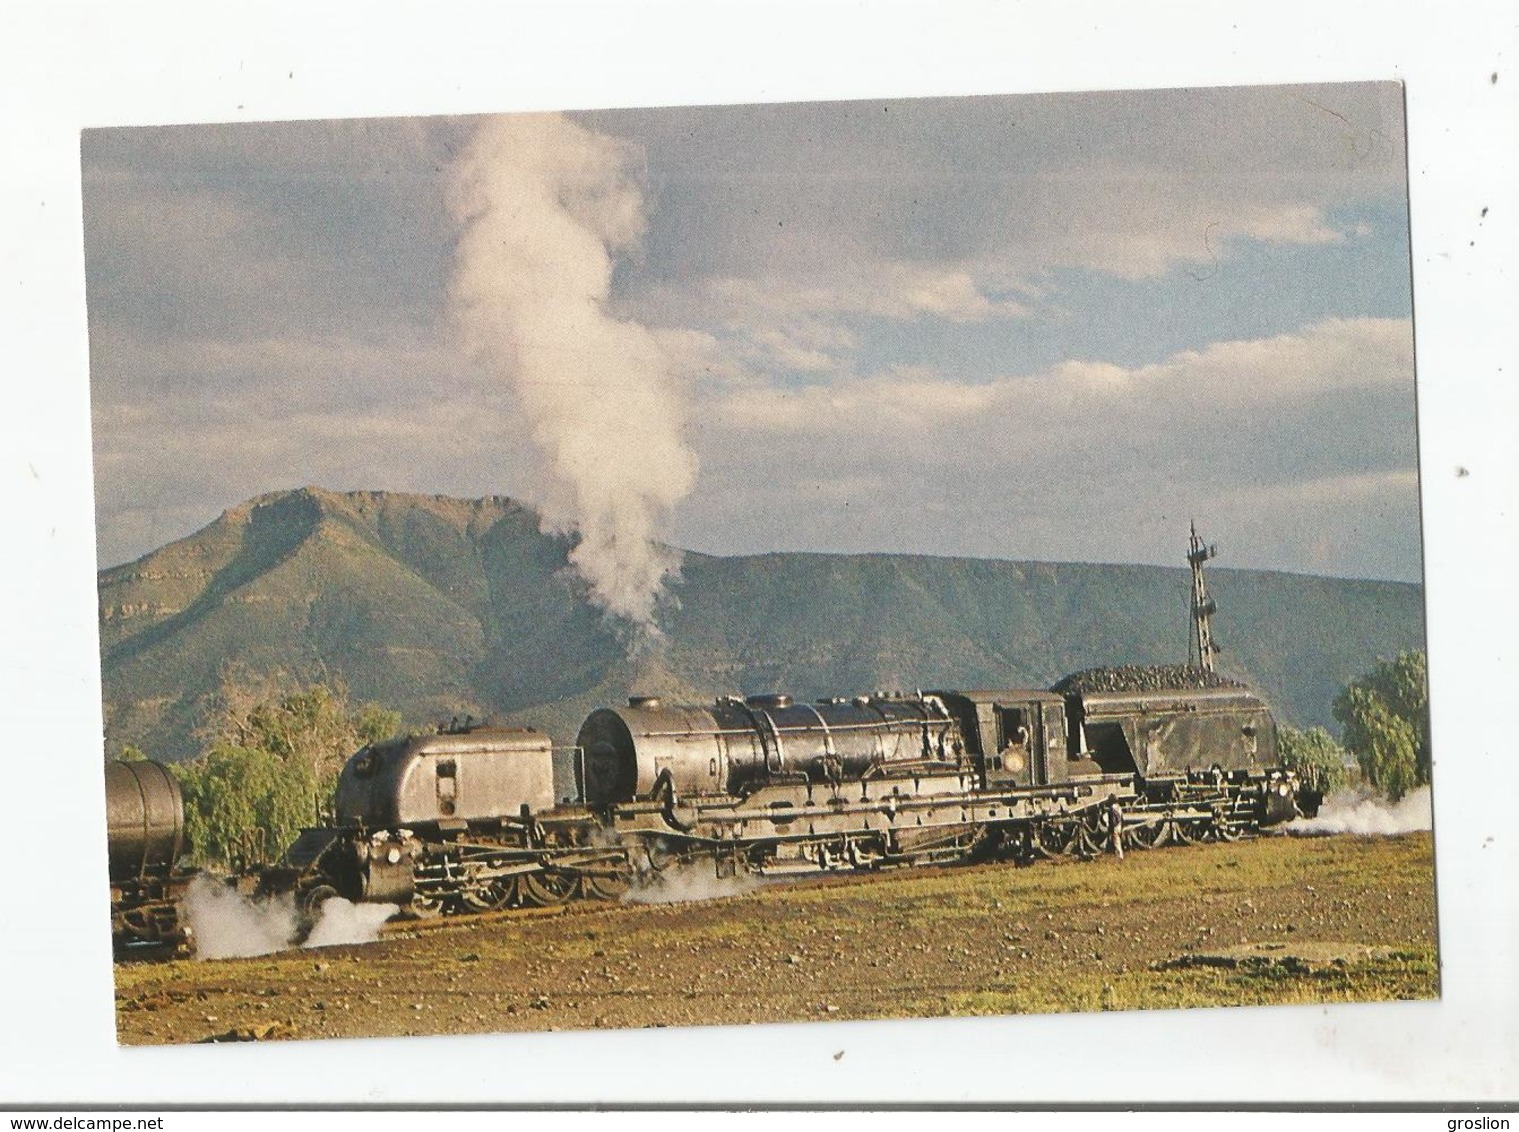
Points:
441	607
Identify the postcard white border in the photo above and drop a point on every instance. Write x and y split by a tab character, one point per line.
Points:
94	64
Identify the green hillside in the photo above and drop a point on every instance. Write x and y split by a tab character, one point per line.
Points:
441	607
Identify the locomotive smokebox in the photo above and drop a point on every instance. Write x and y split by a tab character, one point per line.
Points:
608	769
144	818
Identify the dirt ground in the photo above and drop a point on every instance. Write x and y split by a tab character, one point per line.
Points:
1334	919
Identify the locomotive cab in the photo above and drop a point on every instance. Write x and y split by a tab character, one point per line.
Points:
1014	738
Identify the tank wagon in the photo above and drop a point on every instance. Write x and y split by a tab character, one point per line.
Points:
144	837
1107	759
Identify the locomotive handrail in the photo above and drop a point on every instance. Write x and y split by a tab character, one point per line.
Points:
882	725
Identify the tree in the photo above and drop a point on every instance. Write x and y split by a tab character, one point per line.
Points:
273	748
309	723
1385	719
241	803
1317	758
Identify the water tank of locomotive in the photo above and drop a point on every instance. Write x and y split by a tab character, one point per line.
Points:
454	776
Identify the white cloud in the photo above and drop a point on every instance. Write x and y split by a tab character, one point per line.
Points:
1256	376
799	323
1290	444
1143	227
896	291
266	304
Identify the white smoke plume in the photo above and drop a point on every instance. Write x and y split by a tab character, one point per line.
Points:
542	206
1367	814
341	921
682	884
226	924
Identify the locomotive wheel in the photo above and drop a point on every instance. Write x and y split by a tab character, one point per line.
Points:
1186	831
1024	849
490	896
1085	842
424	907
547	889
661	856
607	887
309	903
1226	830
1051	838
1150	835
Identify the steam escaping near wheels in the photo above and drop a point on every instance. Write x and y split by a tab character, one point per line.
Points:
225	924
688	883
341	922
1367	815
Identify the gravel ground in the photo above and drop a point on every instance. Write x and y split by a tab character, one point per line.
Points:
991	939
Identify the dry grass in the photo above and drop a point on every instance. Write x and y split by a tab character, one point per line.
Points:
959	941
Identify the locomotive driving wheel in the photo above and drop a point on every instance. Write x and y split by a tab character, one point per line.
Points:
1094	834
607	886
490	895
424	906
547	889
1187	831
1146	835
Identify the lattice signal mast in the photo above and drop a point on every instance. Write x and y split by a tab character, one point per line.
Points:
1203	607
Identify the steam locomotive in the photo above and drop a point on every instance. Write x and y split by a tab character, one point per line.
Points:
1108	759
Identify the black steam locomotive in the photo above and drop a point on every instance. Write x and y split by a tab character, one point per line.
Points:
465	820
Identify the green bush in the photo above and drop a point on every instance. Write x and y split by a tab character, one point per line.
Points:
1317	758
1385	716
243	804
271	757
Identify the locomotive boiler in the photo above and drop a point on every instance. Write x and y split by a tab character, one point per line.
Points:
739	744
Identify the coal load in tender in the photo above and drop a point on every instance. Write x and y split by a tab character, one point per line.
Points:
1129	678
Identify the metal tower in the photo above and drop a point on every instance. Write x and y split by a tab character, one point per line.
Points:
1203	607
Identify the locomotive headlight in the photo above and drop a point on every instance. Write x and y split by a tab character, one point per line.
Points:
393	855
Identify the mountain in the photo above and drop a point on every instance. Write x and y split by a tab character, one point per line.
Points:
441	607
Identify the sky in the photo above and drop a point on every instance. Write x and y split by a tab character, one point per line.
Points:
1052	327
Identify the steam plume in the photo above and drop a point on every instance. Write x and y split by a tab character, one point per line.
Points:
1367	814
542	205
226	925
682	884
